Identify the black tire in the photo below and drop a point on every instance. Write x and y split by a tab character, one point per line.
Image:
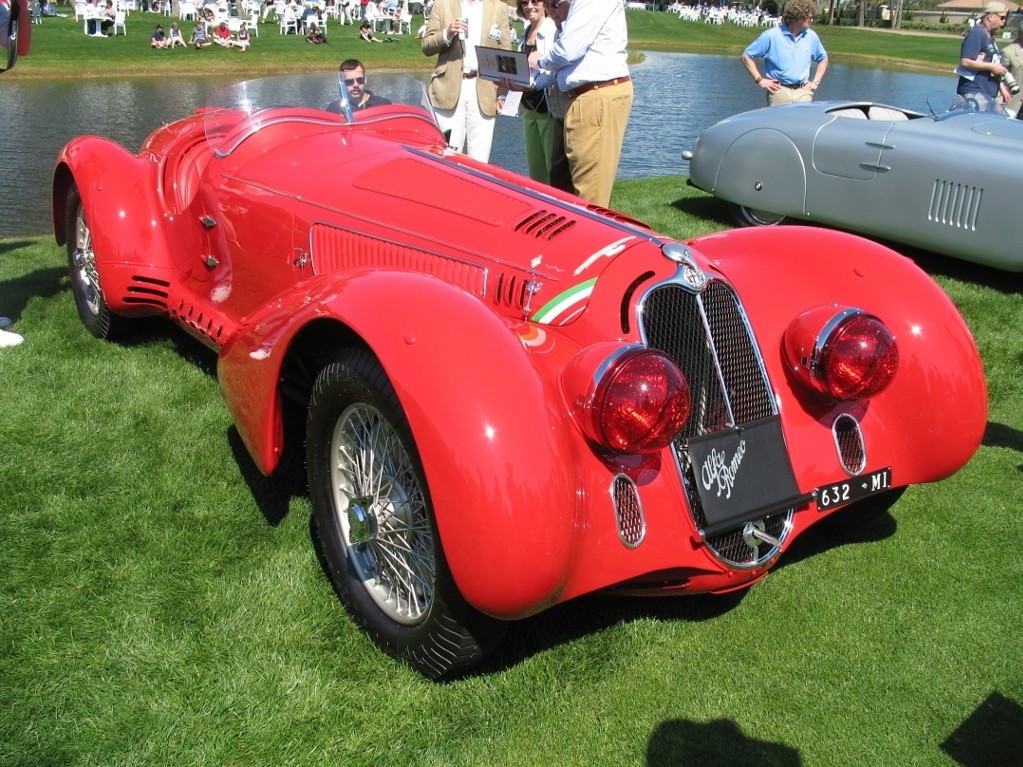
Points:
85	280
375	523
744	216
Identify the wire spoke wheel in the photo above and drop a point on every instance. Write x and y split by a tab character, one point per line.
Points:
376	529
382	514
84	269
83	263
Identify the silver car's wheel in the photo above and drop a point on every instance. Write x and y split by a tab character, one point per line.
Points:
381	512
744	216
84	271
375	524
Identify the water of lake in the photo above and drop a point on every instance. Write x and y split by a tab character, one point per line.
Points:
673	104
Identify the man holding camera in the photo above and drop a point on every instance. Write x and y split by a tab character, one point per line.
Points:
980	67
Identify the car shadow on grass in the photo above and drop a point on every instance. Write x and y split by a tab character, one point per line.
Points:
719	743
707	208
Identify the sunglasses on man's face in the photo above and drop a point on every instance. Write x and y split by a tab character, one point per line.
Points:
354	80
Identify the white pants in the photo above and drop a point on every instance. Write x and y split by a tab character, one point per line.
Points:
471	131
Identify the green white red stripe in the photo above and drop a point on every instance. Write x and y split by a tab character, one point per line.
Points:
565	306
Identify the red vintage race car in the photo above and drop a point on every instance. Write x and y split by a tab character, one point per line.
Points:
508	397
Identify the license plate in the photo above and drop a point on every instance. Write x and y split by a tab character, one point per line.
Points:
841	493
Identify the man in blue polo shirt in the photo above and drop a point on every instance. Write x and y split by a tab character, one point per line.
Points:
788	51
980	67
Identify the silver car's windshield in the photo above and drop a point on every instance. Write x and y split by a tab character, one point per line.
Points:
240	110
944	106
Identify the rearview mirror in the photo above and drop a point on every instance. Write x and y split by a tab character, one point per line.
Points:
14	32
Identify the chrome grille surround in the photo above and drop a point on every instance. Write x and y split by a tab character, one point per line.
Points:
628	511
707	334
849	443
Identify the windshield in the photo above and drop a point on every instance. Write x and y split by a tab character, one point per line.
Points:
236	112
944	106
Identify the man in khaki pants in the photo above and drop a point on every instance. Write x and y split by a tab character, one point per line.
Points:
588	63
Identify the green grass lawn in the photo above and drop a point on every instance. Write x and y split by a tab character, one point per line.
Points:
161	603
59	49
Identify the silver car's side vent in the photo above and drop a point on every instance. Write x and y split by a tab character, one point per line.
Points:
849	442
544	225
955	205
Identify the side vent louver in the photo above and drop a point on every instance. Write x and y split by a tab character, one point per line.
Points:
955	205
147	291
544	225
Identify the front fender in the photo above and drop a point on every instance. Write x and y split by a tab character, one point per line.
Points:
931	419
498	455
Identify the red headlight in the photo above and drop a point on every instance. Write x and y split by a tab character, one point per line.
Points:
629	399
844	353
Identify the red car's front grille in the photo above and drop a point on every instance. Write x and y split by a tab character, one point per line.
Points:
708	337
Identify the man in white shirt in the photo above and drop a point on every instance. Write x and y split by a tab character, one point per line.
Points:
589	63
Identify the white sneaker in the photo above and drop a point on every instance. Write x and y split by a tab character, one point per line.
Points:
9	339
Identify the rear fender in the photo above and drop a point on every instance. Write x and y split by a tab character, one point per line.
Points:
931	419
498	457
118	192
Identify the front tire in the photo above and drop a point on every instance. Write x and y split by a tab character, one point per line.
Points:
744	216
85	281
375	523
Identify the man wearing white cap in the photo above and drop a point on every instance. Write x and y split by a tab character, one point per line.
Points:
980	65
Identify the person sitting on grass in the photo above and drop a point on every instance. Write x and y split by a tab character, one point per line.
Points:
366	33
222	35
200	39
174	38
158	39
242	41
315	36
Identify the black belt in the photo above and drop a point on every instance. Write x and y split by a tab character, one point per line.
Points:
587	87
792	85
469	75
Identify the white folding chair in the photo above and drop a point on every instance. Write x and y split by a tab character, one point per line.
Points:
288	22
80	9
252	22
119	19
404	19
186	10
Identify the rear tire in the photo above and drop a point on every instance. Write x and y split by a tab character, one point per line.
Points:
744	216
376	527
85	280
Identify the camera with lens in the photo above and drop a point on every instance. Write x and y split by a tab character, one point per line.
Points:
1010	83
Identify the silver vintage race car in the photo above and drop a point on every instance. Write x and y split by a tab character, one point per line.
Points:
946	181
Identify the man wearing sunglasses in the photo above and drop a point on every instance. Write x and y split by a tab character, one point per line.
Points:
353	74
980	67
